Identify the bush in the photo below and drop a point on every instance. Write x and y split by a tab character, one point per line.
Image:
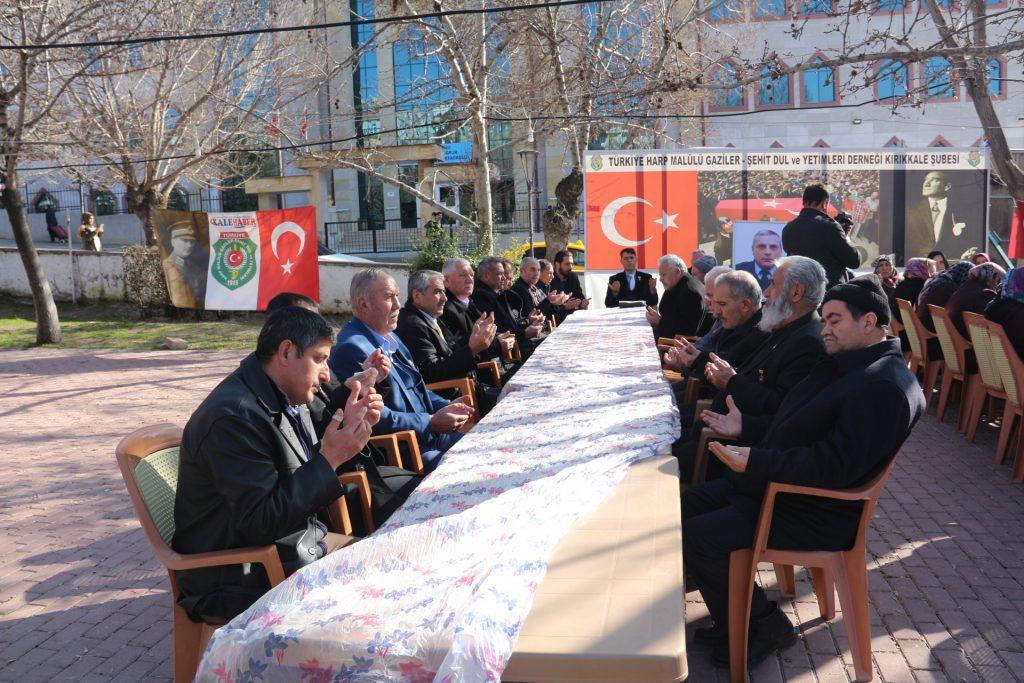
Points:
436	251
144	279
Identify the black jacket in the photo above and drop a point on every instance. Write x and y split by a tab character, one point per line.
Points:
506	317
733	345
459	320
682	311
814	235
570	284
244	479
762	380
837	429
530	299
642	292
436	359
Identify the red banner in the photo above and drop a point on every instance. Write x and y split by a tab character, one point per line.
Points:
1016	249
288	251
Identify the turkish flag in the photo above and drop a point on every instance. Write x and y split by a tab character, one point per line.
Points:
288	254
1016	249
655	212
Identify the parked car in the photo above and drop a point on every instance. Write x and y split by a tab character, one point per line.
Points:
579	259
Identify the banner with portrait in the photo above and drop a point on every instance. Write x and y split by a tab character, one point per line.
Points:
902	202
237	261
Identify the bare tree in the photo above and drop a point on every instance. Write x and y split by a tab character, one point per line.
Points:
32	80
967	35
159	112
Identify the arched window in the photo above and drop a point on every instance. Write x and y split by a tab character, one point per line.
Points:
821	143
940	141
732	98
938	79
819	84
891	5
894	142
892	79
177	200
769	9
994	71
725	10
815	7
104	203
772	90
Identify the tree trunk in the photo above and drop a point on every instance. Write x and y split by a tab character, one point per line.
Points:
482	191
142	200
47	321
560	219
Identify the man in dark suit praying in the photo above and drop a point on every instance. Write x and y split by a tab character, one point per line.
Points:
631	284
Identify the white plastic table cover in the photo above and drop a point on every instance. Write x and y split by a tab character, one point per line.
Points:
441	592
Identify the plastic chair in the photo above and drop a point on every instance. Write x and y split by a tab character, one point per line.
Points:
389	443
956	352
1011	369
918	337
991	384
148	460
492	367
845	571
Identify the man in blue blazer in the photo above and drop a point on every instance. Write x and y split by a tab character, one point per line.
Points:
408	404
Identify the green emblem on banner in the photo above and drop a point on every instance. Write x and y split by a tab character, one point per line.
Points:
596	163
234	262
974	158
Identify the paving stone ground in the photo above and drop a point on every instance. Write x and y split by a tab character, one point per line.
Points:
82	597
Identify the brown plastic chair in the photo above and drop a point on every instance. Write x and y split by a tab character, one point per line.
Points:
957	351
845	571
390	444
918	337
990	385
495	370
467	388
148	459
1011	369
516	354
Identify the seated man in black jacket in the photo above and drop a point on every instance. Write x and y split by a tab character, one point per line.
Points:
534	299
487	295
760	382
567	282
389	485
681	310
837	429
631	284
461	314
428	340
252	471
736	301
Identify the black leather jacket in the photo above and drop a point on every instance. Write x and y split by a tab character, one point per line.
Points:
244	480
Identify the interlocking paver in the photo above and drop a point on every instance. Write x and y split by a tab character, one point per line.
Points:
83	598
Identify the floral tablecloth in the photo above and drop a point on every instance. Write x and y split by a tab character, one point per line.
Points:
441	591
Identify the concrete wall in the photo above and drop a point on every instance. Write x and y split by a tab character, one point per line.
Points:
100	275
119	229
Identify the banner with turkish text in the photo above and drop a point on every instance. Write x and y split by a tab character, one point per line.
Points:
237	261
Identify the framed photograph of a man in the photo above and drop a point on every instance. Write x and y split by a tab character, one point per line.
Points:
945	210
756	246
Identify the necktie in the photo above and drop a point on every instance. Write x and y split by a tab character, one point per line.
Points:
935	212
437	328
765	280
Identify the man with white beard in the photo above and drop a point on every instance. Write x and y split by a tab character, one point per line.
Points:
794	346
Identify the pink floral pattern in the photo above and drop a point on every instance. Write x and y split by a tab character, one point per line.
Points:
441	592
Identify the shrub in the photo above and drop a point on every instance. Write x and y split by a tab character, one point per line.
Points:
144	278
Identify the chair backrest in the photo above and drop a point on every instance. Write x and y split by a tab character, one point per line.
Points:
979	330
954	346
1007	362
913	327
148	460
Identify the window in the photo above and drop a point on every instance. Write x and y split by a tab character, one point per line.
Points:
994	71
769	9
772	90
891	5
364	76
940	141
892	79
894	142
731	98
815	7
725	10
819	84
422	96
938	79
408	173
177	200
821	143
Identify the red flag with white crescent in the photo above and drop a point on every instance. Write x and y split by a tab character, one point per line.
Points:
1016	249
288	254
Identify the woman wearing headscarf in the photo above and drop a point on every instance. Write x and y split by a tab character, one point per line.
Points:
977	292
887	275
939	289
1008	309
915	274
941	263
981	257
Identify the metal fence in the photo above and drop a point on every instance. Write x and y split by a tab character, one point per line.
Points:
384	237
104	203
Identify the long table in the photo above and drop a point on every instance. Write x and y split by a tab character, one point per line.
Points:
516	525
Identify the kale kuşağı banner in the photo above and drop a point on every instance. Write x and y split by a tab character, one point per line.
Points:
237	261
903	202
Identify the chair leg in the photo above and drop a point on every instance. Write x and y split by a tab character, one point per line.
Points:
188	646
849	570
931	372
825	589
1005	431
947	385
785	577
967	399
1017	476
977	403
741	576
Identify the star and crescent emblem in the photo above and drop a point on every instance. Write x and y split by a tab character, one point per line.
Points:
667	220
278	233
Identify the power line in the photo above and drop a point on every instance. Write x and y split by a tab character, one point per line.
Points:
303	27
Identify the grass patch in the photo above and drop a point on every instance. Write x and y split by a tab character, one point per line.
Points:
116	326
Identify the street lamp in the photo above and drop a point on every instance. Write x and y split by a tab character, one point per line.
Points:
526	156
